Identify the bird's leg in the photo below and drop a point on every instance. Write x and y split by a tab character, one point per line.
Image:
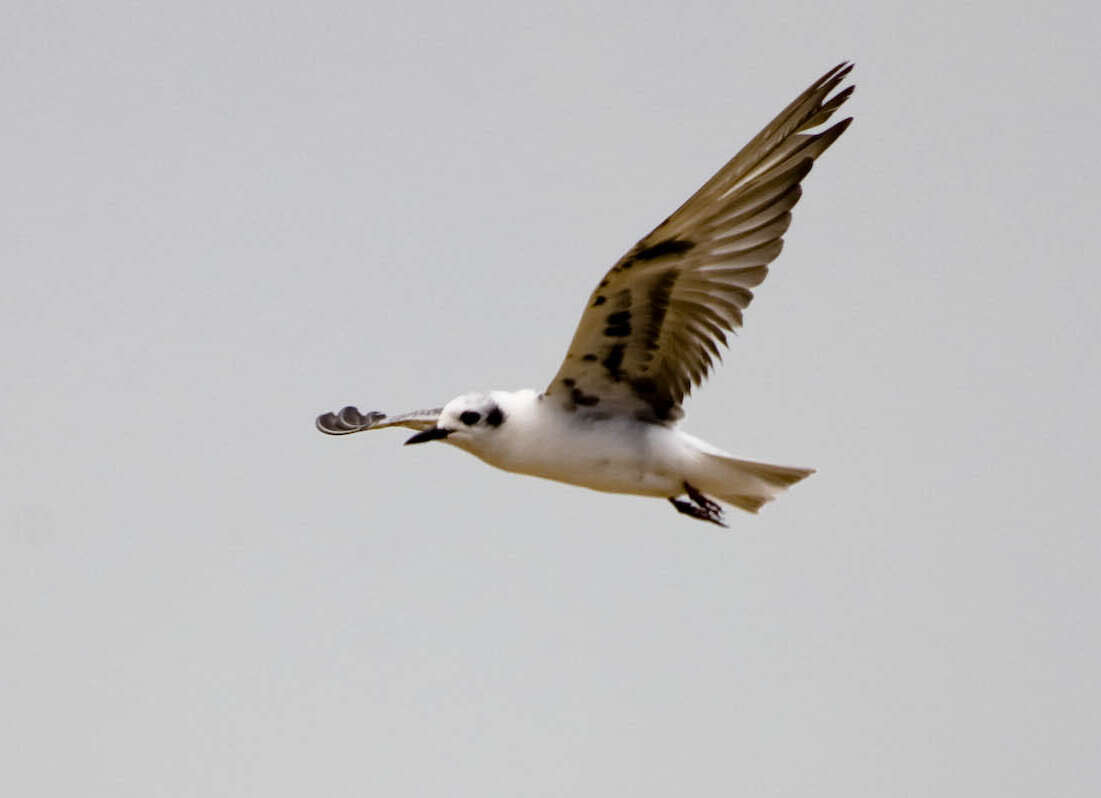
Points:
702	501
704	509
693	511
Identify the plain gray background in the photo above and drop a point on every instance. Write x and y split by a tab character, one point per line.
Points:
220	220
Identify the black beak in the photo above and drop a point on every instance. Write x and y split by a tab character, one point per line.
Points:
434	434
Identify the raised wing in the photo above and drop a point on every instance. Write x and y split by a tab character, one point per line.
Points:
350	420
654	323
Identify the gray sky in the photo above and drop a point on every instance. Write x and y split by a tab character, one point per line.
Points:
220	221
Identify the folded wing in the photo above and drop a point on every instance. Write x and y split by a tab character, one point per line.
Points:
654	324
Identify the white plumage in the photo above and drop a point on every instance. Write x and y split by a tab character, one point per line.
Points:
650	331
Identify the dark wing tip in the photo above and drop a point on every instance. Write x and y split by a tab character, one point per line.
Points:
831	134
839	72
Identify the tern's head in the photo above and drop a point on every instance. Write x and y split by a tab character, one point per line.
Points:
465	421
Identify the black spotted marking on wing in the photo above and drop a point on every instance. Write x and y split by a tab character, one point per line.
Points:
584	399
660	293
589	358
662	249
648	391
495	417
614	360
644	387
619	324
569	382
670	246
663	408
600	300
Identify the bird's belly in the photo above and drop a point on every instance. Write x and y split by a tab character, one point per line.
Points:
598	462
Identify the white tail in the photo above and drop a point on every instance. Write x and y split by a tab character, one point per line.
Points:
746	484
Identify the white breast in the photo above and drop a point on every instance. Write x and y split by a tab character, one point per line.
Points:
616	455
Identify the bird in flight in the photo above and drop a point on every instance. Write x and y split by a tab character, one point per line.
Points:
648	334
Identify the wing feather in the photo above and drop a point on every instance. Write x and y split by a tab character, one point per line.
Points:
654	326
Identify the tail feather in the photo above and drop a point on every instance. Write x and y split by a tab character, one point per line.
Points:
751	504
748	485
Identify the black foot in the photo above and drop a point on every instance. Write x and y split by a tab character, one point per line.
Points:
702	501
704	509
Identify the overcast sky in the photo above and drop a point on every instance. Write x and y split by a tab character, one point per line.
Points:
220	220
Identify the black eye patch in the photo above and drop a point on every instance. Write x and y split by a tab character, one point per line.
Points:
469	417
